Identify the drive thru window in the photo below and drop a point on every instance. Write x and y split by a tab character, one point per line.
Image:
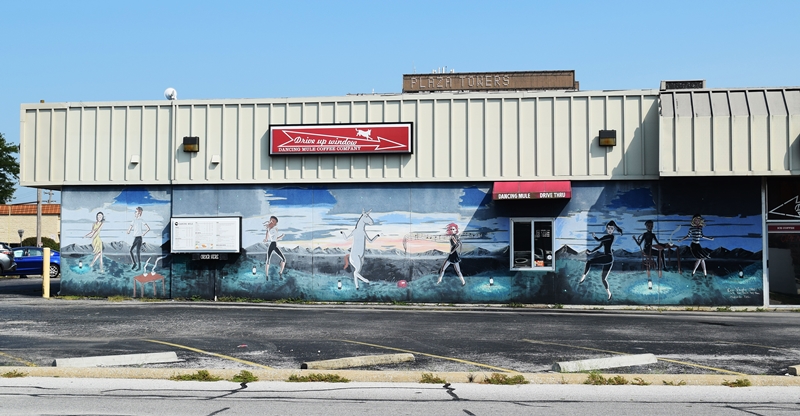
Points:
532	243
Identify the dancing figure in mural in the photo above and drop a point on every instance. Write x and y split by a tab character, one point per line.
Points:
97	243
272	238
607	258
648	238
139	228
699	252
454	257
360	238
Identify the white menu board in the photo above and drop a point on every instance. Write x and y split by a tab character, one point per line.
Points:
205	234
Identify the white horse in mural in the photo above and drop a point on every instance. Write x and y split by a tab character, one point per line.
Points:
360	238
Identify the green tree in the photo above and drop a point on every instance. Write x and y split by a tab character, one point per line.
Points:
9	169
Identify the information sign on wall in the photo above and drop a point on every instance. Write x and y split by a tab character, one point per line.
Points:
315	139
206	234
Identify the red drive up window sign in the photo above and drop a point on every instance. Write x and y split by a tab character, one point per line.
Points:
317	139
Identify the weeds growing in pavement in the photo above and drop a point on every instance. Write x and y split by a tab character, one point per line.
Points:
739	382
497	378
14	374
429	378
673	383
328	378
200	375
244	376
597	379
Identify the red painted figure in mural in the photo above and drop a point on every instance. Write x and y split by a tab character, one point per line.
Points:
607	258
696	234
453	258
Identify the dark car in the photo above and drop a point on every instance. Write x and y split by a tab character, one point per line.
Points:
7	263
29	261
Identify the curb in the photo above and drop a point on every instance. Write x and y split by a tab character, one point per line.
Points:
395	376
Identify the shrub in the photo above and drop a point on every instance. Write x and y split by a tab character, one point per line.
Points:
46	242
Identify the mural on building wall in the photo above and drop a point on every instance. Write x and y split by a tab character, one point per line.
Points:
398	243
120	225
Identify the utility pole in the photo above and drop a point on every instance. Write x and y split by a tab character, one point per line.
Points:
38	218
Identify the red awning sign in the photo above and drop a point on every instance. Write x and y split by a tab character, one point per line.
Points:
532	190
315	139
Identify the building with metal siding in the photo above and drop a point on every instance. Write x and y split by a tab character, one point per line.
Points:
120	155
458	137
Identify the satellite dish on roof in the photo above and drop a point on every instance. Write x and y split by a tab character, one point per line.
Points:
171	94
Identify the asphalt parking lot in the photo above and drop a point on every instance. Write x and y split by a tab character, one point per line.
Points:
469	340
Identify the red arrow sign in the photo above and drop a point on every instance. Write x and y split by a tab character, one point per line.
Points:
309	139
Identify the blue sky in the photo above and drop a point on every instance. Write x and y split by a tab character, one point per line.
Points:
61	51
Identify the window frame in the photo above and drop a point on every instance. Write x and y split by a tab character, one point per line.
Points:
514	259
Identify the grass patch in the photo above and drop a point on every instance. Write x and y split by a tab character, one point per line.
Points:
293	300
200	375
597	379
244	376
118	298
639	382
429	378
497	378
313	377
515	305
673	383
399	303
739	382
74	297
724	309
236	299
14	374
152	300
558	306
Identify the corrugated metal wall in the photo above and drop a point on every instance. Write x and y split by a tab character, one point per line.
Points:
730	132
458	137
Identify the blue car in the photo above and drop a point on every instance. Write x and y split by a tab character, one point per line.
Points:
29	261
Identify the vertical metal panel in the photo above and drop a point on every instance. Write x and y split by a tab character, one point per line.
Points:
58	142
493	135
510	145
165	143
147	168
213	144
476	139
87	140
527	138
633	146
102	144
544	136
73	159
721	129
442	140
562	136
597	121
245	138
614	121
133	143
260	161
459	138
425	131
118	143
759	131
651	134
580	137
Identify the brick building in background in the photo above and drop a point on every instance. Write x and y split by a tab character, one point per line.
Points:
23	217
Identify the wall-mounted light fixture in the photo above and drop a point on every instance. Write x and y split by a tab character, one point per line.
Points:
608	137
191	144
134	159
